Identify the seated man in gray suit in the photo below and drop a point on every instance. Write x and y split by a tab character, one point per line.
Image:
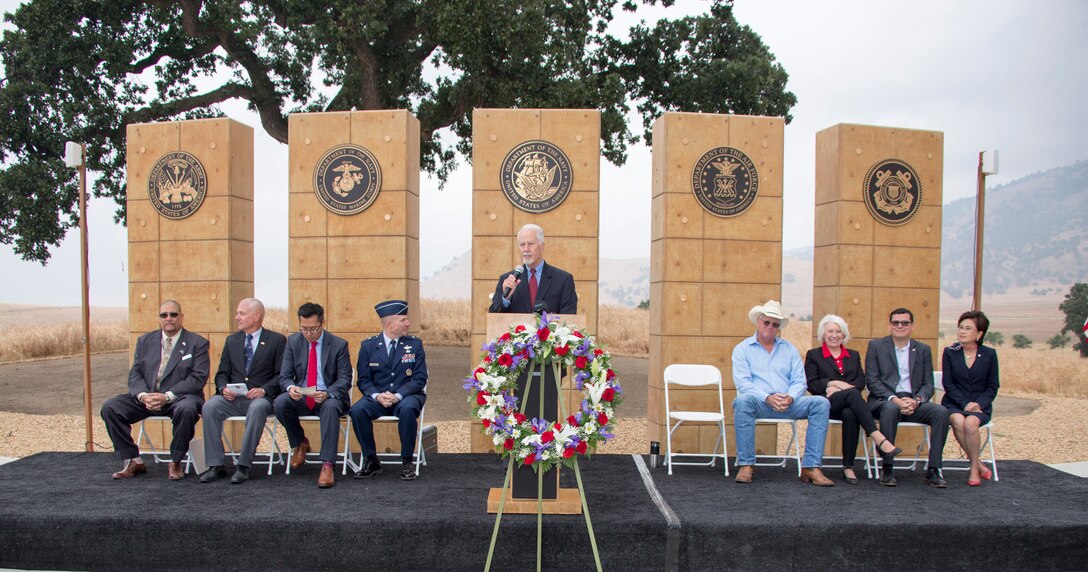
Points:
169	370
251	358
899	375
315	377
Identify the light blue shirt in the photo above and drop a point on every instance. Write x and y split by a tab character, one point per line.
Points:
902	358
762	374
539	268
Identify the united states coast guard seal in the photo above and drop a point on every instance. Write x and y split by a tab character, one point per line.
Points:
177	185
347	179
536	176
725	181
893	192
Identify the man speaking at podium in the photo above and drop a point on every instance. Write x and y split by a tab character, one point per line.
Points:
535	284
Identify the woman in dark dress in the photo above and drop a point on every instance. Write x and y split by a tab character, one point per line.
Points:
970	385
835	373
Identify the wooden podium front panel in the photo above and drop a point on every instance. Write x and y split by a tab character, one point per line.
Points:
707	271
570	229
863	267
349	263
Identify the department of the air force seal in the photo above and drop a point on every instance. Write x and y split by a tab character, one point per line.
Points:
347	179
725	181
535	176
177	185
893	192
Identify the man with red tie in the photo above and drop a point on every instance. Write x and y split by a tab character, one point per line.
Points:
535	284
315	377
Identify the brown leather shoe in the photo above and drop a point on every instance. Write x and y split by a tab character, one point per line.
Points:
326	479
744	475
130	469
816	477
174	471
298	456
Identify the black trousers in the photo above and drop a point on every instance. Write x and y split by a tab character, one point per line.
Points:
849	407
121	412
929	413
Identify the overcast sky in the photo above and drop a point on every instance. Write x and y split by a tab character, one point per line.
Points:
996	74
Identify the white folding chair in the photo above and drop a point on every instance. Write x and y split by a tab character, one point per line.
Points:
938	384
794	442
419	457
344	456
275	454
864	448
160	455
692	375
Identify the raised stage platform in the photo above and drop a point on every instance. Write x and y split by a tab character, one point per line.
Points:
63	511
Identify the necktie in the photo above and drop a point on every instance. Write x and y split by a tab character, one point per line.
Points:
532	287
392	347
249	351
167	347
311	373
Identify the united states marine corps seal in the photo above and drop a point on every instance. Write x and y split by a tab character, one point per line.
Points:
347	179
177	185
536	176
893	192
725	181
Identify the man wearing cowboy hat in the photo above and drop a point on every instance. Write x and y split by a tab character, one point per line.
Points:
393	379
770	379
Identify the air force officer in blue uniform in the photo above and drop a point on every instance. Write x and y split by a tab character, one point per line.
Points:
392	377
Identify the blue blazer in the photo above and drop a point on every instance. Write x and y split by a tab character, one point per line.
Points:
556	290
963	385
405	373
334	359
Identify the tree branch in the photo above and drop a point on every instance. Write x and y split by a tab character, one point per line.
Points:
177	106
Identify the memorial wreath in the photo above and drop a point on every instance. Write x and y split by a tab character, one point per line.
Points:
542	443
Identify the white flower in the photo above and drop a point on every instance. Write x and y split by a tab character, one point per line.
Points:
595	391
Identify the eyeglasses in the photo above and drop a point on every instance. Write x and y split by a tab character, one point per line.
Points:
770	324
312	330
171	314
901	323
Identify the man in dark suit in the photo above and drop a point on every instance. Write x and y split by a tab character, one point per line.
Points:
169	370
899	375
392	378
315	377
251	357
539	282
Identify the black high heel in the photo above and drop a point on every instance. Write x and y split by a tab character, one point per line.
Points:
849	480
889	454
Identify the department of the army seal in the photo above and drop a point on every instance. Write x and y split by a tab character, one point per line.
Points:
893	192
536	176
177	185
725	181
347	179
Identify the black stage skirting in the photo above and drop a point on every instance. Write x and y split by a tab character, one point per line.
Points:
63	511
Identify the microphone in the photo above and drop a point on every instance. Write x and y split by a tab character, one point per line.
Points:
517	276
540	308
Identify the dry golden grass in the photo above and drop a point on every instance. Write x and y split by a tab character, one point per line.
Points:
40	342
624	331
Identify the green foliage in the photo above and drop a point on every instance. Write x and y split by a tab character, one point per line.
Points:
1058	341
1020	341
644	305
995	338
1075	308
83	70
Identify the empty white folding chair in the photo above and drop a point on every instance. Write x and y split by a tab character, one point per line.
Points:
692	375
158	454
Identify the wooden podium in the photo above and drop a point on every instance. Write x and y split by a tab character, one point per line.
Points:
521	497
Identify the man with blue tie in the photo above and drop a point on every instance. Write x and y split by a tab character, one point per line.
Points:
251	357
392	377
535	284
315	377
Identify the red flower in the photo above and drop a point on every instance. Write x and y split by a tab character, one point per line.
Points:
481	398
577	334
598	351
572	421
525	353
581	362
520	328
505	337
581	447
487	423
562	350
506	360
543	334
547	437
530	459
608	394
508	444
487	359
610	375
558	426
568	453
478	371
519	417
602	419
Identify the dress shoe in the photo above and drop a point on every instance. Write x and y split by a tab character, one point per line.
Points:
241	475
973	482
887	477
407	470
174	471
887	455
371	466
744	475
985	473
298	456
815	476
130	469
326	479
935	479
847	478
212	474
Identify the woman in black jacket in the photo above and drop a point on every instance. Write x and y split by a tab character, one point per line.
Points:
970	379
